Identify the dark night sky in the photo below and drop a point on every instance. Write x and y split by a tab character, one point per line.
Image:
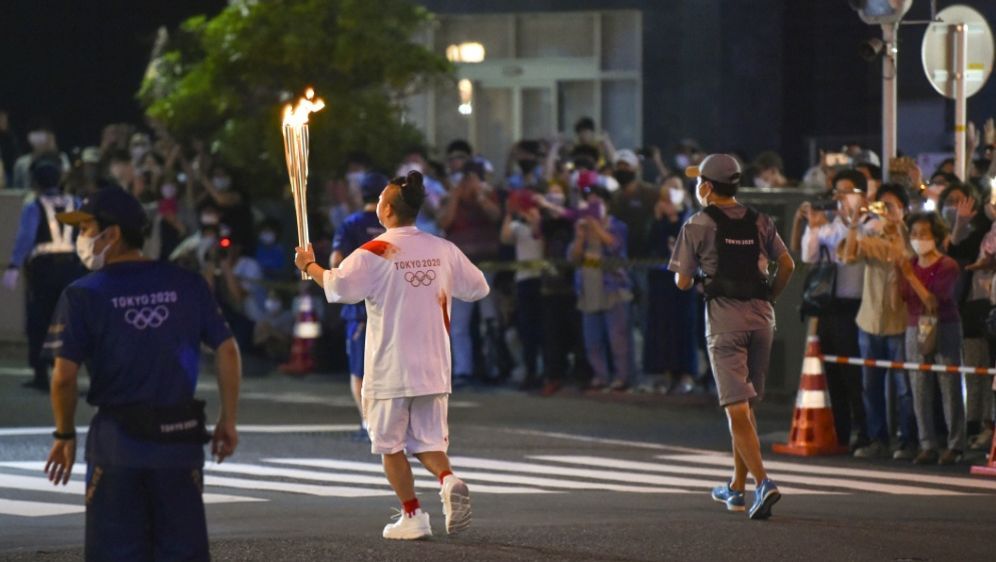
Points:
78	63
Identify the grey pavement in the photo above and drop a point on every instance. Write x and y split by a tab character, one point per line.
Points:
571	477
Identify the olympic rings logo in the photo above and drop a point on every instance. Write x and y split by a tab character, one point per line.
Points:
147	317
420	278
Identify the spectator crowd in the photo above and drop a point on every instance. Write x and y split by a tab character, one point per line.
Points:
575	236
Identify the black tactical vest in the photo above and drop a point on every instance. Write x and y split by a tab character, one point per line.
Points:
738	244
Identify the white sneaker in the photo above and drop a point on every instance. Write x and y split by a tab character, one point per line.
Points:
409	527
456	504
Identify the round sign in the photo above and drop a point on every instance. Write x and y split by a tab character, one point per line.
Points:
939	55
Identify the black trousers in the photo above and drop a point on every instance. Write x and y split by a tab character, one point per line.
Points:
838	334
47	276
562	339
145	515
529	321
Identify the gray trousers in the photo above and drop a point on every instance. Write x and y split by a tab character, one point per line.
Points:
978	388
948	352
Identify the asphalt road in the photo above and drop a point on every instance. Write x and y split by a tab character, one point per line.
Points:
571	477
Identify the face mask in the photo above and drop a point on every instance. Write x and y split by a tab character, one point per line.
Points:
209	219
556	198
456	177
137	152
354	179
168	190
761	182
527	165
37	139
84	249
922	247
267	238
681	161
677	196
624	176
222	183
950	215
273	305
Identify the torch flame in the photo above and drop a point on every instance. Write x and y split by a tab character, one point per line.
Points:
297	116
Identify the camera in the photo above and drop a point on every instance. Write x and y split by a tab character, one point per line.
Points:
824	205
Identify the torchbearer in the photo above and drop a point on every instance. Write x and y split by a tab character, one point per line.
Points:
732	245
408	279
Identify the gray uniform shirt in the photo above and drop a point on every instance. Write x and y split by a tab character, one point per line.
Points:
696	249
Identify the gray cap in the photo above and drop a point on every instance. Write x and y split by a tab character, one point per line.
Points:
721	168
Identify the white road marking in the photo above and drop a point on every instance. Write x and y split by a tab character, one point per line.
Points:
473	477
16	371
604	441
21	508
957	481
307	428
76	487
307	489
724	474
9	431
612	475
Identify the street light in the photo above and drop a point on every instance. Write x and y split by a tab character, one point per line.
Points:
466	52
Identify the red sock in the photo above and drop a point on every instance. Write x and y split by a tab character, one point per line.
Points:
410	506
444	474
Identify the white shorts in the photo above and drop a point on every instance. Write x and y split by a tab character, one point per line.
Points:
415	424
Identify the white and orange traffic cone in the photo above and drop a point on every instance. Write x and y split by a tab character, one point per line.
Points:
813	431
307	329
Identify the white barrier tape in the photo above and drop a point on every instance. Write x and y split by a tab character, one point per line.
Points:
908	366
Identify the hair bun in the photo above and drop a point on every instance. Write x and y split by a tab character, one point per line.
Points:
413	179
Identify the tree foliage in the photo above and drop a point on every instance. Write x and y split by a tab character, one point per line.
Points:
225	79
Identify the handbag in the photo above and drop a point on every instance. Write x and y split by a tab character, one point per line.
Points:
820	286
926	335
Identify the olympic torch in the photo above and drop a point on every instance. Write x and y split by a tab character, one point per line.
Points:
296	148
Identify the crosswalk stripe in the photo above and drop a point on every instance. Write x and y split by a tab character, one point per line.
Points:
473	477
803	480
22	508
958	481
256	470
307	489
76	487
612	475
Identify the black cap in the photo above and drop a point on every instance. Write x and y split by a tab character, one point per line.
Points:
111	206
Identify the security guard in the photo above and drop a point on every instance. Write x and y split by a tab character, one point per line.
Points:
138	325
44	249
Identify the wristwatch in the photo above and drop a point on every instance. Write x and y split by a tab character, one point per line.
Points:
68	436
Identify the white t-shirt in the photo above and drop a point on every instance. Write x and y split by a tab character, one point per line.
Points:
527	247
408	279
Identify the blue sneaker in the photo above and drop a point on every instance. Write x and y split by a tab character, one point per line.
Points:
765	496
733	499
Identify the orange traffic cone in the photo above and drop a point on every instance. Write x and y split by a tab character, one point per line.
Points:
812	424
988	469
306	331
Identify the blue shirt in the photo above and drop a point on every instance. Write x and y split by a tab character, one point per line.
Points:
138	327
358	229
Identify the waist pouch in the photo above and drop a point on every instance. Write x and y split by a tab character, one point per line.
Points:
178	423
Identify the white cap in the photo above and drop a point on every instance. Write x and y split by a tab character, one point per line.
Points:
628	156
